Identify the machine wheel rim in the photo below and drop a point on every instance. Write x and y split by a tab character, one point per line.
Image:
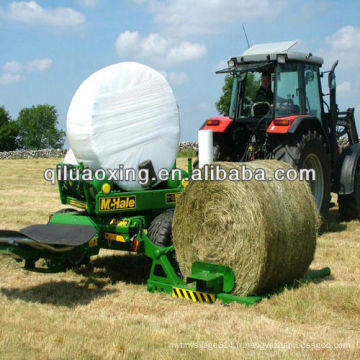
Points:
317	186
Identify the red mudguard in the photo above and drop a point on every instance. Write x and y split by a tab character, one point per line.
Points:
282	125
217	124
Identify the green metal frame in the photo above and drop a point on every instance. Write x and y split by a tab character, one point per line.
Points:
124	229
210	280
89	195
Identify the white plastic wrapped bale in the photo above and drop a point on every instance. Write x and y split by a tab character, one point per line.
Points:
124	114
70	158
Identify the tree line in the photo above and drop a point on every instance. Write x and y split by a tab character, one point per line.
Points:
35	128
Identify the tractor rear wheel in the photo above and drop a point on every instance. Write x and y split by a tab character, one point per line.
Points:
309	151
349	205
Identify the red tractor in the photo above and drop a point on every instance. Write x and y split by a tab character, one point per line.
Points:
292	122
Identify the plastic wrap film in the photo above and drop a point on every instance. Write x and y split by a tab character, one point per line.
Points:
124	114
70	158
206	152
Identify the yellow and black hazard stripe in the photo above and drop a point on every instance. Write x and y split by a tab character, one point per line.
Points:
195	296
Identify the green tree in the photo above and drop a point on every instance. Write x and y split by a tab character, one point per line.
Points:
252	86
8	131
38	128
223	105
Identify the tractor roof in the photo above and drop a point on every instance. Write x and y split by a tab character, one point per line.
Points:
274	52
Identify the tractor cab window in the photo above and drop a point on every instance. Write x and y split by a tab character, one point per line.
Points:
252	103
313	102
251	86
288	90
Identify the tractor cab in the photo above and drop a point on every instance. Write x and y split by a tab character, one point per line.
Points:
275	91
278	111
271	82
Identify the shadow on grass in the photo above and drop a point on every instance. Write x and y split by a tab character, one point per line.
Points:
311	276
128	268
101	271
60	293
335	223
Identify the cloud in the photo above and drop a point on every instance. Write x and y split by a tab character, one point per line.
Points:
221	65
343	45
12	67
13	71
87	3
157	50
38	65
174	78
8	78
311	9
186	51
30	12
205	106
186	17
357	112
344	88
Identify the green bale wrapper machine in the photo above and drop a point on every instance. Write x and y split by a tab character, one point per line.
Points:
138	222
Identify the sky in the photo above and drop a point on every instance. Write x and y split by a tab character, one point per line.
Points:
50	47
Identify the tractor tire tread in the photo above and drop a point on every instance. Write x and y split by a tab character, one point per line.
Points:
349	205
159	231
293	154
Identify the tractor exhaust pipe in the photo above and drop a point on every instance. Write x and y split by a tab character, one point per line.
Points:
333	110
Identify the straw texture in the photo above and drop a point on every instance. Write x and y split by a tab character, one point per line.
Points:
264	230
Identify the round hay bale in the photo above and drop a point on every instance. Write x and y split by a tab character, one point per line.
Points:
264	230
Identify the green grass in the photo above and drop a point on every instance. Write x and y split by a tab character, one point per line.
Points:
186	153
103	311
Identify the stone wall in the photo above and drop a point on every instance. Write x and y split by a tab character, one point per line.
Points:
188	145
32	154
60	153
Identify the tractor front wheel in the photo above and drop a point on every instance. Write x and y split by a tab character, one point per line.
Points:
349	205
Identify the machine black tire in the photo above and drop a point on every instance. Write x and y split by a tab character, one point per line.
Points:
310	151
159	231
72	262
76	260
66	210
349	205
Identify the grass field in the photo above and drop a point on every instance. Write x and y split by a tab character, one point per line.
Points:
103	311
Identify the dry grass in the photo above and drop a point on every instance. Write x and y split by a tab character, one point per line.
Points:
104	311
264	231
